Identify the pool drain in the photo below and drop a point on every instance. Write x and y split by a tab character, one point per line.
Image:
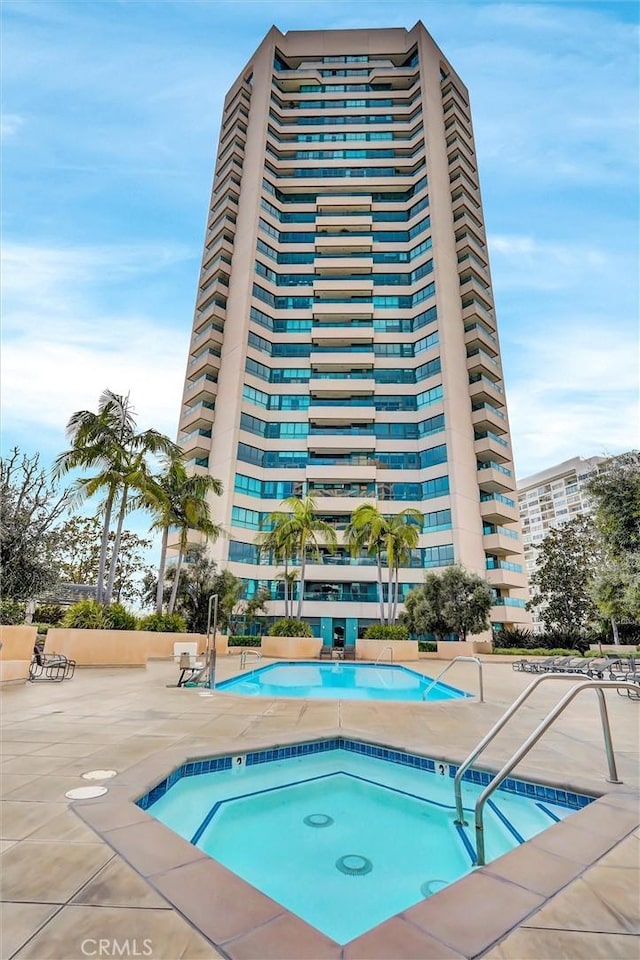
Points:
429	887
318	820
354	865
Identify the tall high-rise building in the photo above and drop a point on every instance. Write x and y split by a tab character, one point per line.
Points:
345	340
547	500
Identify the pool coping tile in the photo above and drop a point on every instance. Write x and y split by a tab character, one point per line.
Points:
241	922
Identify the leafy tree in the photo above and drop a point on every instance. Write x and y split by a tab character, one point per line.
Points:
30	508
280	542
454	601
78	557
615	491
108	441
248	612
566	559
197	581
387	539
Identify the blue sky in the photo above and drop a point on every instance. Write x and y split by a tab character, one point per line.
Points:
111	118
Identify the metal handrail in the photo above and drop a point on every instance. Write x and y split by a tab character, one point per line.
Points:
448	667
599	686
248	653
381	654
495	729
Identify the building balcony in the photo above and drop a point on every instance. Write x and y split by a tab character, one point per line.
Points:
341	205
465	219
342	243
490	448
510	616
479	362
502	544
339	334
343	473
341	358
478	336
352	288
494	478
345	310
497	511
206	362
485	389
200	415
345	264
506	579
341	413
212	334
489	418
340	385
215	310
204	388
344	221
341	439
197	443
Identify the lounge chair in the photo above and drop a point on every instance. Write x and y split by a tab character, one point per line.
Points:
326	651
50	666
349	653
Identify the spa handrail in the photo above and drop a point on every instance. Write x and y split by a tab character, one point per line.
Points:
248	653
530	742
448	667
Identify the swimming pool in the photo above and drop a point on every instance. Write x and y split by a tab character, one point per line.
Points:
342	833
338	681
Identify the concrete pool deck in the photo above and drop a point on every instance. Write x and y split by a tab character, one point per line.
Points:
64	888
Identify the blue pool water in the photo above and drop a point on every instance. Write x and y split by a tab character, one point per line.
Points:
338	681
346	840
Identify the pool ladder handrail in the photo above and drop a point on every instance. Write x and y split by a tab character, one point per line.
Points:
382	653
594	684
248	653
448	667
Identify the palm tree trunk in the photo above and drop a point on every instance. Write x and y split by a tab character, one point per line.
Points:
161	568
174	588
301	597
116	546
102	563
395	595
380	590
390	592
286	589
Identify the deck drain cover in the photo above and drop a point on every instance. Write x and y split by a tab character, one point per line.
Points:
354	865
85	793
318	820
429	887
99	774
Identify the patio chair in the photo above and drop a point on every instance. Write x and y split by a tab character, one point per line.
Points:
54	667
326	651
349	653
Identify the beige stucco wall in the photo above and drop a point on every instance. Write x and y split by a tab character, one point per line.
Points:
403	650
447	650
16	652
291	648
122	648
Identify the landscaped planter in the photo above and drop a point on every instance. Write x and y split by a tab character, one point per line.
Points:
403	650
16	652
291	648
122	648
448	649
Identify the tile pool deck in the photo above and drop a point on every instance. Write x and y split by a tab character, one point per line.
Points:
572	892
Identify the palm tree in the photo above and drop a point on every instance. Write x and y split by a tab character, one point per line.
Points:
165	495
97	440
307	530
280	542
192	513
108	440
402	536
366	531
391	538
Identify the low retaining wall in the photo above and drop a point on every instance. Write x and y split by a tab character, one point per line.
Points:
16	652
448	649
122	648
403	650
291	648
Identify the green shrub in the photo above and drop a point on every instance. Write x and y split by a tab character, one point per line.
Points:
535	652
386	631
514	637
91	615
11	612
290	628
51	613
163	623
427	646
118	618
245	640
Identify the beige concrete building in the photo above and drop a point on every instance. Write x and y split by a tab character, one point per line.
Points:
547	500
345	340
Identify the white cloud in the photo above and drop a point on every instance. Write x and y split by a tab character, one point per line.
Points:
63	345
10	123
525	262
